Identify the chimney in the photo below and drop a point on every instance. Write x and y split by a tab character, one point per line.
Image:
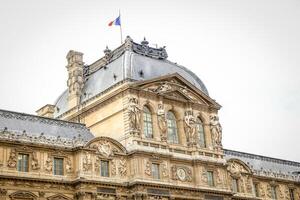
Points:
75	77
46	111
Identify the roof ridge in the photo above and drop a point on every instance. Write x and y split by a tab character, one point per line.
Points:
261	157
44	118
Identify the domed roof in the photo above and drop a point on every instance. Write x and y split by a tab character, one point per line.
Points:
129	62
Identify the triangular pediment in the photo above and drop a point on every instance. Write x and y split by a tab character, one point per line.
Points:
174	86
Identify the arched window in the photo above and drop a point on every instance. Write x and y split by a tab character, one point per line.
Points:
172	128
147	118
200	131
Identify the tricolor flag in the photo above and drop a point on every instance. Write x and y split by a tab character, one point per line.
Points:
116	22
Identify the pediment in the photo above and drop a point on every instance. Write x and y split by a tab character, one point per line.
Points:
175	86
106	146
237	167
58	197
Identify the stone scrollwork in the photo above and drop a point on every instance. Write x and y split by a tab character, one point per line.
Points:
181	173
216	131
165	170
122	167
162	122
87	162
113	168
219	176
204	177
12	160
190	128
134	115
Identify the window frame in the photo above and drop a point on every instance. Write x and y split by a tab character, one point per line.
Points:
147	123
22	167
55	165
107	174
210	173
199	123
158	171
235	185
172	137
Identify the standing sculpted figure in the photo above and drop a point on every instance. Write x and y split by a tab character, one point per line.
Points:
162	122
190	127
216	130
134	114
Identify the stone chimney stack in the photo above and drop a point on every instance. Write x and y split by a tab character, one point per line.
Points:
75	77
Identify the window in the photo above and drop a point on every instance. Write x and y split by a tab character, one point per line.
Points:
273	192
210	178
155	171
292	197
23	162
235	187
255	190
58	166
147	123
104	168
200	131
172	128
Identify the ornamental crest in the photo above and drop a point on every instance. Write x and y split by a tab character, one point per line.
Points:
181	173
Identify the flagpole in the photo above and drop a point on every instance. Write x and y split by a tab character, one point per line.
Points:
120	27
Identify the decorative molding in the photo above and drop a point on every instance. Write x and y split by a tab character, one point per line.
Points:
122	168
181	173
87	162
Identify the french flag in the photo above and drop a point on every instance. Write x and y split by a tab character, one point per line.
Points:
116	22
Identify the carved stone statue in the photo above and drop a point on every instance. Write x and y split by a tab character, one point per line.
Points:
148	168
134	114
12	161
190	128
87	162
49	164
34	162
216	130
162	122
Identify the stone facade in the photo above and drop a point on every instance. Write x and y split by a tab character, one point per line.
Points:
185	170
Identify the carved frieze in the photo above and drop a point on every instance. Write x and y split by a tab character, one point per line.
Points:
69	168
49	164
35	162
87	162
122	168
12	160
181	173
148	168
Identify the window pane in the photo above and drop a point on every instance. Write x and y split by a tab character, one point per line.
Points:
255	188
273	192
172	128
104	168
234	185
147	123
155	171
23	162
201	135
58	166
210	178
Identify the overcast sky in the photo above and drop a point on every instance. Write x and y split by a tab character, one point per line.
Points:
247	52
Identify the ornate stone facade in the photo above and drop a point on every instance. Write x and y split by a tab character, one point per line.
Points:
111	157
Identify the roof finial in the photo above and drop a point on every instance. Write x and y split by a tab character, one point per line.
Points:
145	42
107	50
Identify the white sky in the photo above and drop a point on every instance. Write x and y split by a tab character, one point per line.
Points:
247	52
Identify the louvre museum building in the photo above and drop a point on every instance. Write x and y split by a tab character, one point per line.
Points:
132	126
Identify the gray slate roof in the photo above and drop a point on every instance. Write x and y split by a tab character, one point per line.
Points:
31	128
266	166
134	63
